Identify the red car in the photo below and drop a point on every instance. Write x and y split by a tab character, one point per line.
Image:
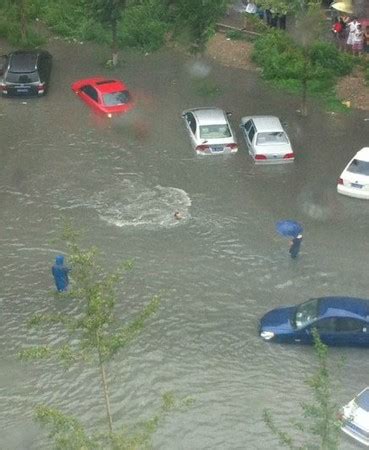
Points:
104	95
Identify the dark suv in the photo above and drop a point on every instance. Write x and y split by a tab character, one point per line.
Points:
26	73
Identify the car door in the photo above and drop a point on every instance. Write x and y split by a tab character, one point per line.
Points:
191	127
352	331
89	94
249	131
325	327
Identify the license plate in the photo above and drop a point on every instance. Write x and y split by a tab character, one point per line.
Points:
356	185
22	90
217	149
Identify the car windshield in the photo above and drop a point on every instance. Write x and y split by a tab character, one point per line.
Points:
278	137
116	98
28	77
358	166
215	131
362	400
306	313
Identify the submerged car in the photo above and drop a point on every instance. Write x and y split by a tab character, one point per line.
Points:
355	417
266	140
339	321
25	73
210	131
354	180
104	95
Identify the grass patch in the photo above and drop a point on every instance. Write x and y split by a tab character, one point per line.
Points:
206	88
236	35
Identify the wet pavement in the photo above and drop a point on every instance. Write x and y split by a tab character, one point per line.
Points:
217	270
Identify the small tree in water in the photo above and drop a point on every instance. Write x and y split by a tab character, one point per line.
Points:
321	426
97	336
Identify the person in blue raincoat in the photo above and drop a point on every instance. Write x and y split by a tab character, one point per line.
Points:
60	274
295	246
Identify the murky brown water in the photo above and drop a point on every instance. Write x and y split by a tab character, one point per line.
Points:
218	270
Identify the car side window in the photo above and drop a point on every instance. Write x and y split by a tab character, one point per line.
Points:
191	122
344	324
248	125
251	133
326	325
91	92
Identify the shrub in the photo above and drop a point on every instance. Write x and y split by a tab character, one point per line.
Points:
144	26
329	57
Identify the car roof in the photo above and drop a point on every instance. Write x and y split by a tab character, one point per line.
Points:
102	84
363	154
209	116
344	307
23	61
265	123
107	85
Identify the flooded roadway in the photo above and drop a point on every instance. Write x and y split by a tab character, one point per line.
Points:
217	271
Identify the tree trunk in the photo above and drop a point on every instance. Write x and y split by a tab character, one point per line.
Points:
105	389
114	43
22	18
303	100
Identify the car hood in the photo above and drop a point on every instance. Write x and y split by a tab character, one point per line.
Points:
277	320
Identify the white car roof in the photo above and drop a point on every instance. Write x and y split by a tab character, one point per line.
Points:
265	123
363	154
209	116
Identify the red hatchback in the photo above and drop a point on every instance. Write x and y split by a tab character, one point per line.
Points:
104	95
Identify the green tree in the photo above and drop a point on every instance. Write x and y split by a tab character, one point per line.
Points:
320	424
108	13
96	334
198	18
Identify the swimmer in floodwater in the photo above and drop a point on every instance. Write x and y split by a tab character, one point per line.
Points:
178	215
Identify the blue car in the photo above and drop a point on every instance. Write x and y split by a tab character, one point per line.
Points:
338	320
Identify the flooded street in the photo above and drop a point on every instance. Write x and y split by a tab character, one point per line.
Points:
217	270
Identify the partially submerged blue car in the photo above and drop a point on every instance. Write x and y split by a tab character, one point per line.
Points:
339	321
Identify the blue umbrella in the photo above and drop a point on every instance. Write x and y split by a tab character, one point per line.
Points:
289	228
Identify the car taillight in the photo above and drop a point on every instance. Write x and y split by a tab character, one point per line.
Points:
232	146
289	156
41	87
260	157
203	148
340	181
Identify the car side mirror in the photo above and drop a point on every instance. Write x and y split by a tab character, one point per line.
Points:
183	116
229	114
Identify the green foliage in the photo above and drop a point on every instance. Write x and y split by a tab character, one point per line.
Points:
206	88
144	26
68	433
198	19
236	35
96	334
327	56
10	28
319	426
252	22
68	18
287	65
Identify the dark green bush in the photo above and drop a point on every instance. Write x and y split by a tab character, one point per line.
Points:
144	26
272	42
329	57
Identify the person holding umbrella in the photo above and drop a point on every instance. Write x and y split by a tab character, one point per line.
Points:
292	229
295	245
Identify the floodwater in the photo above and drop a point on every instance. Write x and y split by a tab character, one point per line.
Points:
217	270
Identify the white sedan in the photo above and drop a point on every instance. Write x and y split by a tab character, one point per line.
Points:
266	140
210	131
355	416
354	180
